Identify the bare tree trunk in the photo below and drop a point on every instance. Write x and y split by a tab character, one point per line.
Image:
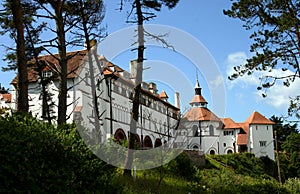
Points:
137	90
62	96
91	71
43	82
22	88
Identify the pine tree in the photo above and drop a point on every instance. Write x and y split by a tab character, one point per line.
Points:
275	31
142	13
12	20
89	15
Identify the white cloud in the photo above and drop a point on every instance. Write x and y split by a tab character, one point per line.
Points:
278	95
217	82
236	59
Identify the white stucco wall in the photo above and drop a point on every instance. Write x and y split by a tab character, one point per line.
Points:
259	134
36	103
228	142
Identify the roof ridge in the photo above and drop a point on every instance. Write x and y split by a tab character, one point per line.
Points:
257	118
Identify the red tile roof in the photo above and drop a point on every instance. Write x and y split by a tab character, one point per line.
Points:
6	97
78	109
200	114
257	118
199	99
73	67
242	138
107	71
163	94
230	124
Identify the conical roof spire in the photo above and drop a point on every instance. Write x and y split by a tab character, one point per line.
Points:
198	99
197	86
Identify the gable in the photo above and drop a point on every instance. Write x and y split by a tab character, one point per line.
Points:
74	66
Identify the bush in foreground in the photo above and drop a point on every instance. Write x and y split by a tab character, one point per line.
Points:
37	157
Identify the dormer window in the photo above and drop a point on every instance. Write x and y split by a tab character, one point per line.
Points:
47	74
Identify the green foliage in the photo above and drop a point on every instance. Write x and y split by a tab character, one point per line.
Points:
227	181
245	164
148	7
36	157
181	166
32	29
294	108
89	14
290	158
39	158
224	175
283	130
293	185
147	182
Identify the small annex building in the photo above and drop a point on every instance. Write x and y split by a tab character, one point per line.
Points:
200	129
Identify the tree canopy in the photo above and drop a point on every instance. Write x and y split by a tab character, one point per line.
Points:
276	42
283	130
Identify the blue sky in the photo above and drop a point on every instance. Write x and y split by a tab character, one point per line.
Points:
226	41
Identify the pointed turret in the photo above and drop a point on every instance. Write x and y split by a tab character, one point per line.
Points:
198	100
197	88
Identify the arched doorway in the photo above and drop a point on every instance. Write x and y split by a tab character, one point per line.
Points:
229	151
148	142
120	135
157	143
137	141
212	152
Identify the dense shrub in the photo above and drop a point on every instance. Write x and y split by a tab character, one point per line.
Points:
37	157
293	185
40	158
245	164
227	181
290	158
181	166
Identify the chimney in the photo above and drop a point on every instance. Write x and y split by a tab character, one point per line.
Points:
133	70
144	85
177	100
163	95
93	44
135	67
152	88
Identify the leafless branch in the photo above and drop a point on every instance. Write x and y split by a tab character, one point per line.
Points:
160	38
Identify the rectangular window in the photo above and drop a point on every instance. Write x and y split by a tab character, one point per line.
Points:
46	74
226	133
262	143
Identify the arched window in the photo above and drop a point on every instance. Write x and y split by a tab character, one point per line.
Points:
148	142
195	147
157	143
211	130
120	135
212	152
137	143
195	131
